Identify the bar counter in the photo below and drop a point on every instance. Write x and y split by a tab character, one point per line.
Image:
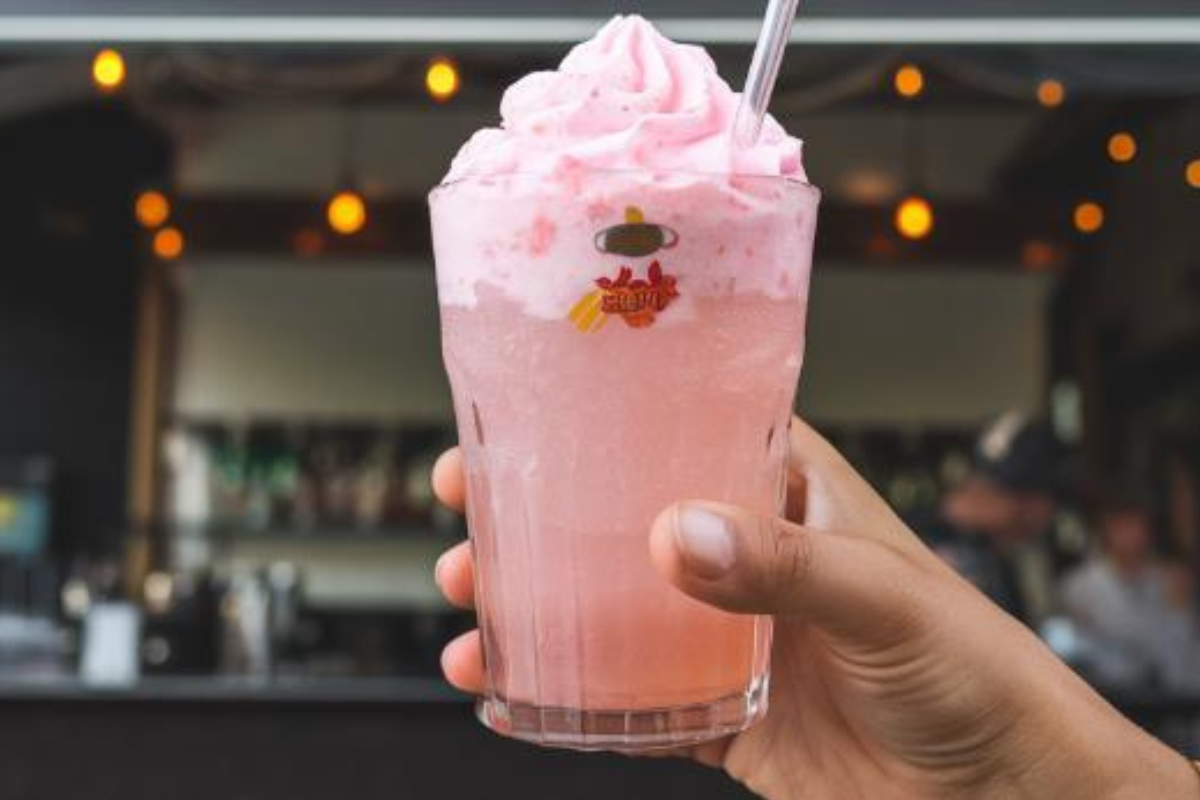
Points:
296	739
326	739
209	689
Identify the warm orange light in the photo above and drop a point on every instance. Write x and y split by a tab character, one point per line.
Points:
441	79
1051	93
347	213
1192	174
152	209
1122	147
108	71
909	81
1089	217
168	244
914	218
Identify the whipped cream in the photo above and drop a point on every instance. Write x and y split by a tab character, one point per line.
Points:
631	136
629	98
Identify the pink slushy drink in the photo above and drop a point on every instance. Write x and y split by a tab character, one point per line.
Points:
623	295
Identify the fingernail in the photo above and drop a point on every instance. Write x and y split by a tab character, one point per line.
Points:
706	542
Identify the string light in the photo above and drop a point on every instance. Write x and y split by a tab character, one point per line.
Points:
909	81
1089	217
441	79
1192	174
152	209
1051	93
914	218
108	71
347	213
168	244
1122	147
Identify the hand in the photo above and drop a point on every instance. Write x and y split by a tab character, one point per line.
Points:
891	677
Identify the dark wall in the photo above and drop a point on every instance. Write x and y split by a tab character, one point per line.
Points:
69	259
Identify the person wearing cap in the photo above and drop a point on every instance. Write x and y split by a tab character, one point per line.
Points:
1009	499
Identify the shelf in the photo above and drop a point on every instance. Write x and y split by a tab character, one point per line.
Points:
329	535
376	572
317	420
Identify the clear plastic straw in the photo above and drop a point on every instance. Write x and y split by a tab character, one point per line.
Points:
764	69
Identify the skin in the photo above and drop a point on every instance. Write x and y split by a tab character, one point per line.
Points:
891	676
1128	541
1009	518
1128	538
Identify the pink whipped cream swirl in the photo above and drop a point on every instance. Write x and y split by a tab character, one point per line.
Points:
629	98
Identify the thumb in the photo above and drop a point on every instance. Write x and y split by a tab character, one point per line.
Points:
744	562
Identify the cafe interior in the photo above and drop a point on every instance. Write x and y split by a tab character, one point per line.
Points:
222	393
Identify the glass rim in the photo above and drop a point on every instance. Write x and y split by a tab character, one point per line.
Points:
786	180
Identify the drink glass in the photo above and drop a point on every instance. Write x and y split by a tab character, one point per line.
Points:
617	341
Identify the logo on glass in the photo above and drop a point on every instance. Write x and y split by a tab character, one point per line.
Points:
637	301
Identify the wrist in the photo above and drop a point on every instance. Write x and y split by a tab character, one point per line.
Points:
1160	773
1097	754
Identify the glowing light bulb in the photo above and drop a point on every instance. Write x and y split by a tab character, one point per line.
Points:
108	71
1192	174
152	209
347	213
1122	147
914	218
168	244
909	81
441	79
1089	217
1051	93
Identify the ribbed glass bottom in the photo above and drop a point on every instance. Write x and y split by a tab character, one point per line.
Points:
625	731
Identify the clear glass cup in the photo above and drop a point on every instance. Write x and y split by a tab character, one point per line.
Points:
617	341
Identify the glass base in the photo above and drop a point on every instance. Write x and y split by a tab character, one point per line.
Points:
625	731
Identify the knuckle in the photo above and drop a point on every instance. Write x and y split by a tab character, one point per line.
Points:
788	558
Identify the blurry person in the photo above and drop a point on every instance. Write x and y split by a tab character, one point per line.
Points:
1132	610
985	524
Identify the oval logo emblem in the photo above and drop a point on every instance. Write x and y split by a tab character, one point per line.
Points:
636	237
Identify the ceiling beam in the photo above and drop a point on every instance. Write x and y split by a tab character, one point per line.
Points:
993	235
433	30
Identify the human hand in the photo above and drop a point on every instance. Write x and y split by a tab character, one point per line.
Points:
891	676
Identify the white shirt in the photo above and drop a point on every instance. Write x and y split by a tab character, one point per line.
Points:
1135	633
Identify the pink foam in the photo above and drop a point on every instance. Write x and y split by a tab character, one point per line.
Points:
629	98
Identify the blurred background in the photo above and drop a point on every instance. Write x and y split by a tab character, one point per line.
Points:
221	389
